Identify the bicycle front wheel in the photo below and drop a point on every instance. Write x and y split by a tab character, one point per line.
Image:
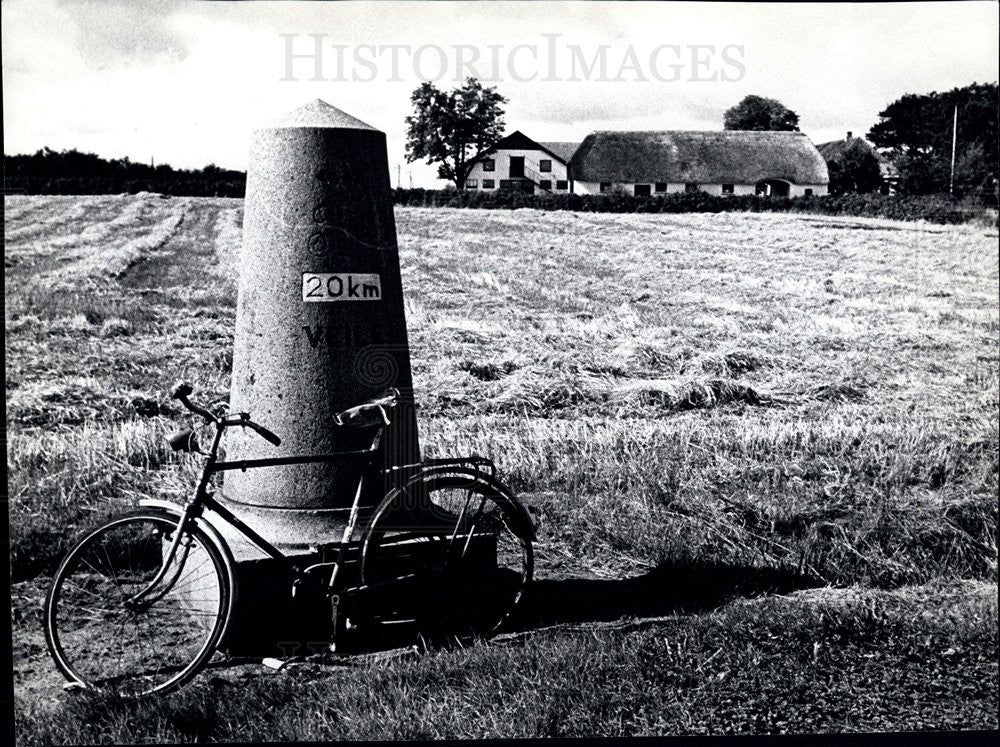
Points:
457	541
102	637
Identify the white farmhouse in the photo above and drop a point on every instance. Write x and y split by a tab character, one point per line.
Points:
735	162
518	162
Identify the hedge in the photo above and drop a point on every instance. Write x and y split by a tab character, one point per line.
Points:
931	208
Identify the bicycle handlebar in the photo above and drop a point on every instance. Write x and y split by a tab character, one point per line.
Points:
388	399
268	435
183	390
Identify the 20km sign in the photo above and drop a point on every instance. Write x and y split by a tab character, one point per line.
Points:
320	287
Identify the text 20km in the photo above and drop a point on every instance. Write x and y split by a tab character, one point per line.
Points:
319	287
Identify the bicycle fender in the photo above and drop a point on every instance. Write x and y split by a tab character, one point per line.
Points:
524	528
213	534
165	505
205	526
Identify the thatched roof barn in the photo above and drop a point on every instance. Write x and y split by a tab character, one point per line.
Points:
734	158
643	163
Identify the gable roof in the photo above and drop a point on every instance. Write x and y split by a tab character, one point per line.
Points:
724	156
836	149
517	140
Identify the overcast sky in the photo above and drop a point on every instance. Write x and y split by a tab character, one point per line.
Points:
185	82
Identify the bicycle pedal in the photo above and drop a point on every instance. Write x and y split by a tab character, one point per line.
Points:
278	664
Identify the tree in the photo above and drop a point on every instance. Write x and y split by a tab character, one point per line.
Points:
915	133
759	113
448	128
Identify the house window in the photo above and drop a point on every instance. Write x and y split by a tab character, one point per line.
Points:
641	190
605	186
808	192
471	183
691	187
545	165
545	184
489	164
728	189
661	186
561	184
487	184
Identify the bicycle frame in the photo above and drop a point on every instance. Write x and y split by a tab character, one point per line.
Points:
204	500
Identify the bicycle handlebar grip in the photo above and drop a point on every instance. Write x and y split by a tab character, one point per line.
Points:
181	389
268	435
183	440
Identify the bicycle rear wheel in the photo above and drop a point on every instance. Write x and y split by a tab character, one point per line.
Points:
100	642
455	544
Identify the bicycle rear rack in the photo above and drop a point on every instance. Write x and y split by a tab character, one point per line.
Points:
478	463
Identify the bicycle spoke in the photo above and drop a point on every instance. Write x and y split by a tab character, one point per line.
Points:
111	567
150	641
93	595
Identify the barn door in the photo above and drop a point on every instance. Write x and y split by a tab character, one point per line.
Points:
516	167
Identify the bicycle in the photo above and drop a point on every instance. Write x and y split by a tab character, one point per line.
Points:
141	604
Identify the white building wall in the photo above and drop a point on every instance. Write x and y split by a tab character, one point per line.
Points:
586	188
798	190
594	188
532	169
794	190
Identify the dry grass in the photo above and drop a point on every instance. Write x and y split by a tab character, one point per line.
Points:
738	390
735	388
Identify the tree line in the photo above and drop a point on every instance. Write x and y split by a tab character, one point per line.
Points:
75	173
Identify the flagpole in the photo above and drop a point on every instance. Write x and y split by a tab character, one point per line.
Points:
954	137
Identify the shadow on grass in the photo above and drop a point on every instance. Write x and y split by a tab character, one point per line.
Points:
422	614
665	590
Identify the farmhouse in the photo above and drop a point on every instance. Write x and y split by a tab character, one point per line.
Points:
784	164
735	162
845	156
518	162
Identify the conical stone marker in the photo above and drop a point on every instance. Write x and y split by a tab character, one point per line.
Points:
320	324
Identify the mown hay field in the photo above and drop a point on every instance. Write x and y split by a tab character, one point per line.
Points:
694	406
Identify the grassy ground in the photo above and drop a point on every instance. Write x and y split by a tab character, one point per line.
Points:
721	399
